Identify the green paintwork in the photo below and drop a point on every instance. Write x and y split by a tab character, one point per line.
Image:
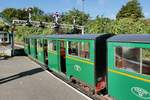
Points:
53	59
81	68
121	86
40	52
33	47
27	47
72	62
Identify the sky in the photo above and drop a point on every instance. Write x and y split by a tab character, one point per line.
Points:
107	8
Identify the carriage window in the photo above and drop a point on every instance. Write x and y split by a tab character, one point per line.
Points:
84	50
39	43
52	45
146	61
73	48
128	58
80	49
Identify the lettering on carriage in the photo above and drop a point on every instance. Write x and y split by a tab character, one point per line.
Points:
77	68
140	92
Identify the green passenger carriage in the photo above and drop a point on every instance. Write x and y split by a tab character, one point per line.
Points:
82	57
129	67
79	57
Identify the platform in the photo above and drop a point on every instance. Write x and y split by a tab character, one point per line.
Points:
22	79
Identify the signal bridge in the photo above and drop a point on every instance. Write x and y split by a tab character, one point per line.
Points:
48	25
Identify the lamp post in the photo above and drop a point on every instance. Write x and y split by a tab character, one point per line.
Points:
82	16
12	39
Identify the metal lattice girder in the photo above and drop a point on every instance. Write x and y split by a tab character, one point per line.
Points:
48	25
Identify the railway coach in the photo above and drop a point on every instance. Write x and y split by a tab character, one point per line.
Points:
78	57
129	67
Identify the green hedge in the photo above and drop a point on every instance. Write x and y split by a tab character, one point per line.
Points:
22	31
121	26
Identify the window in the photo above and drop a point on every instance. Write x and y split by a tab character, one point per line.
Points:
80	49
146	61
39	43
4	38
73	48
52	45
128	58
84	50
133	59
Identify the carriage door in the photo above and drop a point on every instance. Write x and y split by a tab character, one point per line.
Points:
29	40
46	52
62	57
35	48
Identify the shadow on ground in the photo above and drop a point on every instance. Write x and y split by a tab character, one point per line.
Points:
20	75
19	52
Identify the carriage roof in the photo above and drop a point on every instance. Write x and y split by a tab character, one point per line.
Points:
136	38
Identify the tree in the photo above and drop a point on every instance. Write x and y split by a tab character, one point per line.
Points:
131	10
99	25
10	13
128	26
81	17
21	14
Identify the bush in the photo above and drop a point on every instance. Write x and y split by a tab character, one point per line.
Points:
120	26
22	31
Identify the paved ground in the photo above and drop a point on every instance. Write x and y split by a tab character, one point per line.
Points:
22	79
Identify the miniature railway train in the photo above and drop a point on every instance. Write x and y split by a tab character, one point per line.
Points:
115	65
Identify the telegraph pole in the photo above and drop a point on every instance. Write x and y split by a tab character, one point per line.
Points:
82	16
12	40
